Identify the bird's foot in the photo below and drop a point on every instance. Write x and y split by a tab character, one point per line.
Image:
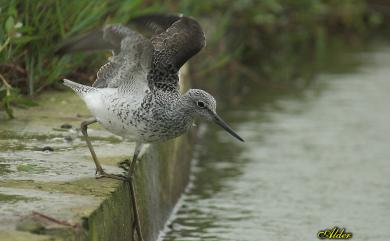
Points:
103	174
125	165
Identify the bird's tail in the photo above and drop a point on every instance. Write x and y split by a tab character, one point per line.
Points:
78	88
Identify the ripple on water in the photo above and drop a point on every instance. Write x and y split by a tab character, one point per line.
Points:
313	161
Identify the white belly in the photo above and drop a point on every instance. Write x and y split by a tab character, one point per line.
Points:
104	106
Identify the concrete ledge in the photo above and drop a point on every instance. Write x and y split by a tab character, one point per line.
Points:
161	177
46	168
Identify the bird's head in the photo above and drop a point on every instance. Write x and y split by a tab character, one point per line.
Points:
204	106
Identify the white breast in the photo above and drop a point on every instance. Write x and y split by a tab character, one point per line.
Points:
106	105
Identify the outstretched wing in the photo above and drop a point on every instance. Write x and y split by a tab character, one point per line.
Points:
93	40
131	61
182	40
176	39
154	23
172	48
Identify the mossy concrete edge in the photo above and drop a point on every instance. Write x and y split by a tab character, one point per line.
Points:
161	177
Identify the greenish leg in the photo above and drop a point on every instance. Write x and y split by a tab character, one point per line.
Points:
137	224
99	170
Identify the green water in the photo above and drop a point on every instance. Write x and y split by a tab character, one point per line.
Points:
316	156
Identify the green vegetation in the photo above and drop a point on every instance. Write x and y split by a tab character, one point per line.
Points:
272	39
268	34
31	30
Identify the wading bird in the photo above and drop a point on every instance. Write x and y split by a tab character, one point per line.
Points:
136	94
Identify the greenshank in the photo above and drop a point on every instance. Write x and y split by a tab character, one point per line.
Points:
136	94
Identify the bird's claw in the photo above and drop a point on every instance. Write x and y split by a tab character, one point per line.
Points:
103	174
125	165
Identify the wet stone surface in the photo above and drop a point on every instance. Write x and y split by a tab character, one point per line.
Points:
45	165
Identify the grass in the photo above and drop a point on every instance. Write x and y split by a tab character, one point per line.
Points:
32	30
242	32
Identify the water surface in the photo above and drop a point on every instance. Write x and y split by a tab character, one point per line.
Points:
314	158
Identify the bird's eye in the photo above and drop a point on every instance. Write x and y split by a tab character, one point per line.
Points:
201	104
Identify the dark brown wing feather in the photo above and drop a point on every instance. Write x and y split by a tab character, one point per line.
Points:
172	48
176	39
154	23
182	40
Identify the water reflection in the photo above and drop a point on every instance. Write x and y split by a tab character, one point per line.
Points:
315	157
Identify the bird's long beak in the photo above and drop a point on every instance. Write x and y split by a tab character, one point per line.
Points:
218	120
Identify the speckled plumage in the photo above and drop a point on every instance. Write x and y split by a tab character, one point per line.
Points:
136	94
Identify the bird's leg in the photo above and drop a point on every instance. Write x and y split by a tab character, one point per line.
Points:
84	128
133	231
137	150
99	169
137	224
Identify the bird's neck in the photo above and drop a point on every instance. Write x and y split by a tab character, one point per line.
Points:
184	110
